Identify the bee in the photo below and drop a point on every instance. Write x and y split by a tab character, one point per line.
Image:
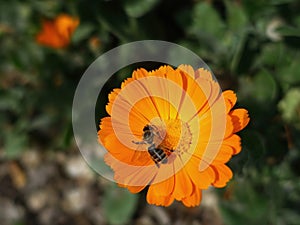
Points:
157	153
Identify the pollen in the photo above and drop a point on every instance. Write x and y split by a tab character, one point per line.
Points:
176	135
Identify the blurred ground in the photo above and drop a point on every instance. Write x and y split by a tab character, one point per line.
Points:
59	188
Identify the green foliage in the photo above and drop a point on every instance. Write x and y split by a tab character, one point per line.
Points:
136	8
253	46
290	107
118	204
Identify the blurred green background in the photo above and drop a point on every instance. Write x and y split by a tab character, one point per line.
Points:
251	46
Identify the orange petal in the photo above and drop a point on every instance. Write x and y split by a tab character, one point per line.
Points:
123	135
229	127
224	154
106	128
234	141
203	73
201	179
66	25
194	199
133	189
240	119
139	73
195	99
114	94
210	135
183	184
230	99
111	98
223	175
164	180
164	71
123	153
128	175
153	197
57	33
127	101
187	69
164	188
212	92
158	93
176	87
49	36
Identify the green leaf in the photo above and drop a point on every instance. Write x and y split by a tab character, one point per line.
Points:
255	9
236	17
10	100
264	87
290	107
271	54
249	46
118	24
261	88
278	2
118	204
14	144
290	216
82	32
288	71
246	204
289	31
137	8
206	21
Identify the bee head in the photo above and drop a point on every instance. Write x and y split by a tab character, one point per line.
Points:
148	134
147	128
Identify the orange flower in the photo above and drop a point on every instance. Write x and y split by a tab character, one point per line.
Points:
57	33
172	130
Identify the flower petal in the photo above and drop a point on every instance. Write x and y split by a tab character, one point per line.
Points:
66	25
133	189
224	154
153	197
240	119
223	175
202	179
183	184
163	97
57	33
204	73
128	175
165	187
234	141
123	153
194	199
230	99
139	73
164	180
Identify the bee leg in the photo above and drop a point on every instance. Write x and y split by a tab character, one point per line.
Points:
157	164
138	142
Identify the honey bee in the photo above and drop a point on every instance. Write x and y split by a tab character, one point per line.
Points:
157	153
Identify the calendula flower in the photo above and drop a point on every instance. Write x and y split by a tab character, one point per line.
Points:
57	33
172	130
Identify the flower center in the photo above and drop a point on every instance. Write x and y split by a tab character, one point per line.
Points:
174	136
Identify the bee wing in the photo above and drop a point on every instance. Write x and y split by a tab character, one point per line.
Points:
158	137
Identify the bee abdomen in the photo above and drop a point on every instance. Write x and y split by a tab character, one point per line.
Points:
157	154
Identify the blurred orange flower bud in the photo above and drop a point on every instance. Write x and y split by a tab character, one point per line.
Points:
57	33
